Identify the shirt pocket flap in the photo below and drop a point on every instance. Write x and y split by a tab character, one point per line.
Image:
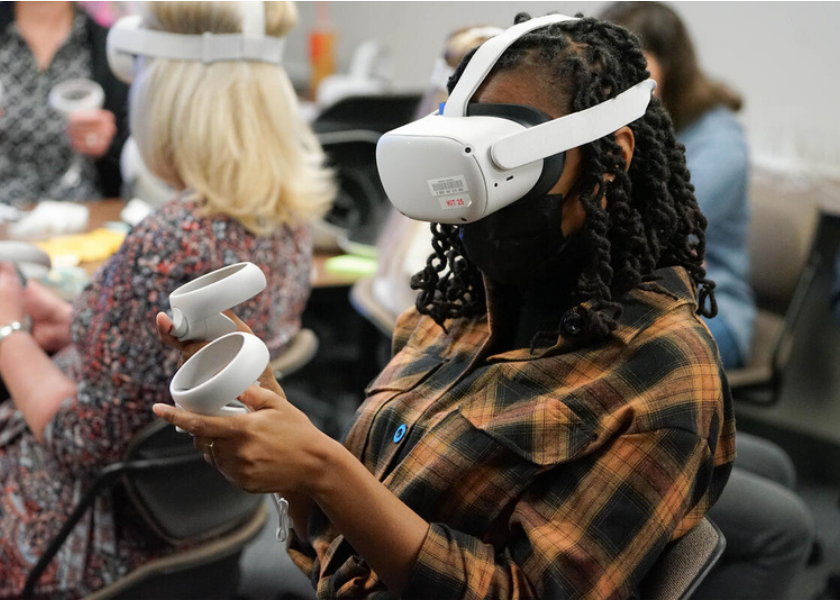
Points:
405	371
542	429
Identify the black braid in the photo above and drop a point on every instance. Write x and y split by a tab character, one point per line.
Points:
460	291
651	219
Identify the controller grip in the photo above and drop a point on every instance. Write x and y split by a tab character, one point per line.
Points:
216	326
211	328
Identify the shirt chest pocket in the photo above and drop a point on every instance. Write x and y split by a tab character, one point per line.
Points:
472	465
540	430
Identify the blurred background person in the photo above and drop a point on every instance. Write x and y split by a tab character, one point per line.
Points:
704	115
71	415
768	528
41	45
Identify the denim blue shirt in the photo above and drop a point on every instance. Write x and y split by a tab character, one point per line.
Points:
717	157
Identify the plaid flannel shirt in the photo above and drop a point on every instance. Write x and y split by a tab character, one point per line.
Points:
557	474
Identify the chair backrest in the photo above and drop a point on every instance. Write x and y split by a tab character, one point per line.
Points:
782	230
188	502
361	203
381	113
298	353
364	301
684	564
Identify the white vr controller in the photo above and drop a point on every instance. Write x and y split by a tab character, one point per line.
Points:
218	373
33	262
197	306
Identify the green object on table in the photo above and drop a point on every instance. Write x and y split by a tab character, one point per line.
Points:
349	264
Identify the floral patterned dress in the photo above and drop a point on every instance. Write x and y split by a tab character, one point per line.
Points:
122	369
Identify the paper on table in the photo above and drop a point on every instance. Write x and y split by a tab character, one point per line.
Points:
51	217
348	264
70	250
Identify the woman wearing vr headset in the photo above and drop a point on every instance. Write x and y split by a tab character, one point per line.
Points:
555	412
228	134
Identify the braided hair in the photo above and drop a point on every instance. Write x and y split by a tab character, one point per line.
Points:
651	219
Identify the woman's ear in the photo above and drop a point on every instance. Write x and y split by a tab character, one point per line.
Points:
627	141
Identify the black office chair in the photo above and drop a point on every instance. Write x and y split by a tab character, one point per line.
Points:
184	502
684	564
378	113
300	351
361	206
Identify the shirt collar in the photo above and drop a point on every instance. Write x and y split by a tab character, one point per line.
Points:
640	308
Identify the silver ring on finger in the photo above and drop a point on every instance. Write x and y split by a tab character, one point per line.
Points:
210	452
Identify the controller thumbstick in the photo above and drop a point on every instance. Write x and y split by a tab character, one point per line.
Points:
180	325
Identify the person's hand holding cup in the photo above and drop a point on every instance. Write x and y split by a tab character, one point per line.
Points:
91	131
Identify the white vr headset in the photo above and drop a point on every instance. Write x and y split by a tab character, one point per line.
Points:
127	40
474	159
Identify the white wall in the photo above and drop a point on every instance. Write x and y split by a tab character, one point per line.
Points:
782	56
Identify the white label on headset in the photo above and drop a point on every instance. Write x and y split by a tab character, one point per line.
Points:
448	186
459	201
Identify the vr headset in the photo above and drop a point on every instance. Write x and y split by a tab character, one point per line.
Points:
127	40
467	161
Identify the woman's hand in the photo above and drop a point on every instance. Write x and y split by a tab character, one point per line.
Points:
50	316
11	295
274	448
91	131
187	349
35	384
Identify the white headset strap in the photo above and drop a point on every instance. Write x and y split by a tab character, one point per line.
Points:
571	131
485	59
253	19
208	47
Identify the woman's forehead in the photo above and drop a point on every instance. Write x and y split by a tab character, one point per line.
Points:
526	85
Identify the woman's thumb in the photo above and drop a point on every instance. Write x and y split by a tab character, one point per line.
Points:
257	398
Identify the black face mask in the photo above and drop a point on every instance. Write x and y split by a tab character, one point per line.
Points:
523	243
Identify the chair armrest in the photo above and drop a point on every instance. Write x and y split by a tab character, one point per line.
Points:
782	349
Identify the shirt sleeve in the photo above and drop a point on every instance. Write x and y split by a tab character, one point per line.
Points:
124	366
718	161
588	529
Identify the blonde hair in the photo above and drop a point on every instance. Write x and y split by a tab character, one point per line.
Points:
231	131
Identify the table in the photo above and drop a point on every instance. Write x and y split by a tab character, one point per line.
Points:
103	211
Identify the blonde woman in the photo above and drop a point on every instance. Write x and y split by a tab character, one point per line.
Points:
227	135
